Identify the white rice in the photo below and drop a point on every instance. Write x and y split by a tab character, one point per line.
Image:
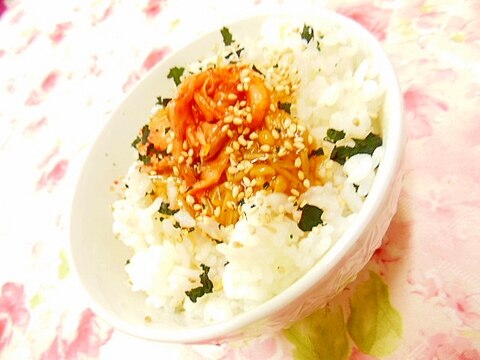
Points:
265	251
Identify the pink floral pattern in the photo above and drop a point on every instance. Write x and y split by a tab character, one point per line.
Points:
374	19
2	7
275	347
443	346
87	341
462	307
64	69
13	313
420	109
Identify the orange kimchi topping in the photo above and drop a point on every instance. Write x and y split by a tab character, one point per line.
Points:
225	136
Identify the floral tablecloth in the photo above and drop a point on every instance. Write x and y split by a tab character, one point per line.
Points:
65	65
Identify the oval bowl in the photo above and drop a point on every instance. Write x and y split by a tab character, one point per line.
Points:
98	258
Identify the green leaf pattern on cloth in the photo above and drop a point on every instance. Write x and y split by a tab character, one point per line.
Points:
374	326
35	301
63	267
322	335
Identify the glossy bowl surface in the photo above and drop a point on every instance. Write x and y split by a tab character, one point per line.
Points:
98	258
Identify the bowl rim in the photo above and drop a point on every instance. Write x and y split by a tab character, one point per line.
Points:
384	177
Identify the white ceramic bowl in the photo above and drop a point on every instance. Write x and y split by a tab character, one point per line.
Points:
98	258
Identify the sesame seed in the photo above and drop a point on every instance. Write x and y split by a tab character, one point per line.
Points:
248	191
246	181
190	200
246	131
242	140
197	207
240	196
169	148
288	145
175	171
216	212
232	170
275	134
246	79
232	96
237	121
265	148
225	128
243	103
298	162
292	127
301	175
228	119
240	167
230	133
253	136
246	86
306	183
282	152
253	182
190	152
185	145
204	151
228	185
228	150
301	128
240	87
236	145
279	88
295	192
298	139
248	109
231	204
299	145
272	107
310	139
235	191
189	161
292	199
181	158
287	123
